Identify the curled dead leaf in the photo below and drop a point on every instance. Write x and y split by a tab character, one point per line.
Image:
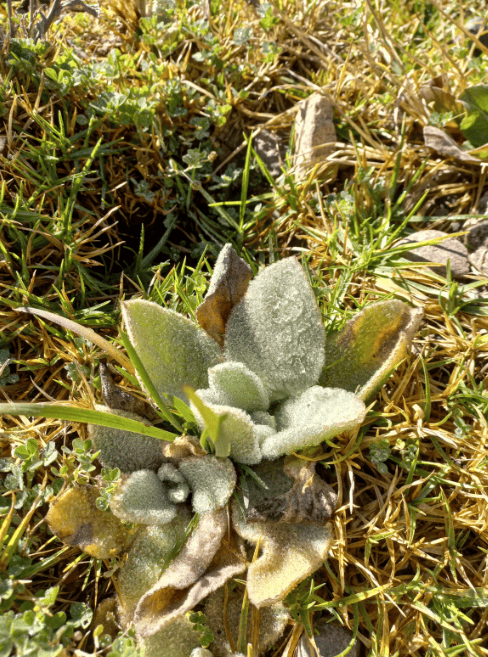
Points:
204	564
443	144
228	285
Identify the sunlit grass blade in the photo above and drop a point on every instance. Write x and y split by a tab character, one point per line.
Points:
76	414
143	375
87	333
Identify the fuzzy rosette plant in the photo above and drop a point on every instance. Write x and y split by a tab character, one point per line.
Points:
262	382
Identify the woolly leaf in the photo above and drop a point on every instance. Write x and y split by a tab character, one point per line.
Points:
228	285
177	487
290	553
179	639
233	384
236	430
75	518
276	330
125	450
199	569
148	556
143	500
211	479
173	350
361	357
316	415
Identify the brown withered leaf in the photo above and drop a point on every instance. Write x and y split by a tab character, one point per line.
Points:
118	399
228	285
75	518
440	142
205	563
310	499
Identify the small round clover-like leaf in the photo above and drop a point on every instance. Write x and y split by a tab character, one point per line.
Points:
143	499
361	357
290	553
75	518
211	480
315	415
125	450
175	352
276	330
233	384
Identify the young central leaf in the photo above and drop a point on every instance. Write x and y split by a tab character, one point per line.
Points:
276	330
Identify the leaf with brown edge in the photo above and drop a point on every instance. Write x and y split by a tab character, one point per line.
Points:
290	553
75	518
361	357
205	563
228	285
310	500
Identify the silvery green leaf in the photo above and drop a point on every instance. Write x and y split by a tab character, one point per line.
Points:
177	487
179	639
260	417
143	499
211	480
147	558
315	415
174	351
276	330
238	430
233	384
125	450
361	357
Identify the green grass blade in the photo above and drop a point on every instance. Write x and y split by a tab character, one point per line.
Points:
76	414
144	376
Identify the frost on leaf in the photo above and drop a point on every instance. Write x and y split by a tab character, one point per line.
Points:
75	518
361	357
228	285
290	553
233	384
143	499
204	564
148	556
125	450
312	417
174	351
272	621
236	429
310	500
211	479
276	330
